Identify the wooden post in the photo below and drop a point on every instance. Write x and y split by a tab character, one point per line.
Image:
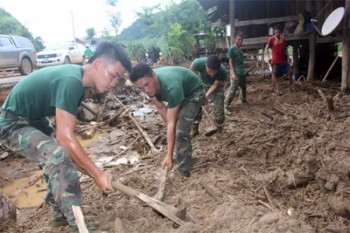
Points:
345	83
295	59
232	21
312	46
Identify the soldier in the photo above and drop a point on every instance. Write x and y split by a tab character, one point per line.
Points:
58	91
213	75
183	91
237	73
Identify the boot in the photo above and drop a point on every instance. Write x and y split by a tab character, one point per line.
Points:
58	219
227	110
194	131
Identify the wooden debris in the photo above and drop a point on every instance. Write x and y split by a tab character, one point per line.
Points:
143	133
118	226
89	109
7	208
328	100
269	198
330	68
89	133
214	192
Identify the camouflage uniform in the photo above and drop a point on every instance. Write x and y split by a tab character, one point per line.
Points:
183	146
235	84
218	101
63	187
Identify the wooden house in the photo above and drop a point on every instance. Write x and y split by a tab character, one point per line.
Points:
301	21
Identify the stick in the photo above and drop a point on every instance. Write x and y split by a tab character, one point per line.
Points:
212	191
208	116
89	109
269	198
330	68
327	100
31	180
266	205
143	133
79	219
161	191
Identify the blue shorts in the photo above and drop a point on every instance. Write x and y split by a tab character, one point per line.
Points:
280	68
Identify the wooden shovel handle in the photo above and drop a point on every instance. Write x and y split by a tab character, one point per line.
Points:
116	185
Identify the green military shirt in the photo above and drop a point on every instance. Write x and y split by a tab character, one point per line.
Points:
176	84
200	66
41	92
237	59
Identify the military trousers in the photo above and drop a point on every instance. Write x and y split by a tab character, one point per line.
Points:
218	101
24	138
240	83
183	145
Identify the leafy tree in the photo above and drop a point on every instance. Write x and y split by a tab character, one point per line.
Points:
157	27
90	33
11	26
179	42
114	15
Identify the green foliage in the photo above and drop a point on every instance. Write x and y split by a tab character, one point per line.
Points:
11	26
90	32
159	27
178	41
136	51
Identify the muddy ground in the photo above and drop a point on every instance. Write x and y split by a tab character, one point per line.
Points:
280	165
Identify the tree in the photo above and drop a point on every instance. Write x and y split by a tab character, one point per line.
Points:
179	42
114	15
90	33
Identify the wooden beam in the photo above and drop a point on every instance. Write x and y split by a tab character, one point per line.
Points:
266	21
345	83
312	47
232	21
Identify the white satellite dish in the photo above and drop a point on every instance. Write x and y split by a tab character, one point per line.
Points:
331	23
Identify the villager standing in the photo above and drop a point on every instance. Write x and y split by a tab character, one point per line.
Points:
279	60
213	75
58	91
183	91
237	73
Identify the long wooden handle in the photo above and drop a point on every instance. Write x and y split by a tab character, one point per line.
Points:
208	116
161	190
125	189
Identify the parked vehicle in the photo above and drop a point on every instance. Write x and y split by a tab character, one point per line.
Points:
17	53
59	54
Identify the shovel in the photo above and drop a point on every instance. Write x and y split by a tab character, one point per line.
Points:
174	214
161	191
211	132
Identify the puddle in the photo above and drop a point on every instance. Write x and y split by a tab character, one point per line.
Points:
29	197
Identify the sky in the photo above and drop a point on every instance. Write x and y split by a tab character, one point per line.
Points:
53	20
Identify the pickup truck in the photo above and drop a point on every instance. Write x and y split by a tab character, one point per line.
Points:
17	53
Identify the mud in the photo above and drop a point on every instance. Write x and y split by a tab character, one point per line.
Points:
281	164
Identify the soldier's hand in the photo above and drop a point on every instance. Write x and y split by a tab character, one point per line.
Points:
104	182
233	77
168	162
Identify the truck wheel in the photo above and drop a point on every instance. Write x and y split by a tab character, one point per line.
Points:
66	60
26	66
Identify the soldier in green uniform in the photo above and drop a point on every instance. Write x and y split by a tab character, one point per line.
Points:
183	91
58	91
237	73
213	75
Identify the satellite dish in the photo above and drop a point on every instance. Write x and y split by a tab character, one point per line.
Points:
331	23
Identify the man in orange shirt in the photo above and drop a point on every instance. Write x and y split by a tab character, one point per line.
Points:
279	60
